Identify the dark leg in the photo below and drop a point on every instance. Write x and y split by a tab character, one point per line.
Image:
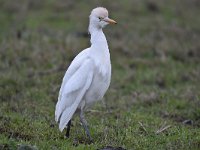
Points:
68	128
84	123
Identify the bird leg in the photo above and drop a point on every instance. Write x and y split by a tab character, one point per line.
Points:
85	126
68	128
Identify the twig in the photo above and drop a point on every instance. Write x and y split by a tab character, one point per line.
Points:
162	129
94	111
142	127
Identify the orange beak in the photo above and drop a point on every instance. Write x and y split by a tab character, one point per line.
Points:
110	21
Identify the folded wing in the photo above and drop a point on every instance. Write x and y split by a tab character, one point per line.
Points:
72	92
76	63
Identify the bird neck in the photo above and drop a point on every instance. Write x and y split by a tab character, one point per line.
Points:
97	36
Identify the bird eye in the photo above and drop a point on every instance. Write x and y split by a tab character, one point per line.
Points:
100	18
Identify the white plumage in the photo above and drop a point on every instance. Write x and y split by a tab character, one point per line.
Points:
88	77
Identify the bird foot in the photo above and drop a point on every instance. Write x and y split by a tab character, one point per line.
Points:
66	137
90	141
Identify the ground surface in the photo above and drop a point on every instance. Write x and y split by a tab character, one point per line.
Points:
154	98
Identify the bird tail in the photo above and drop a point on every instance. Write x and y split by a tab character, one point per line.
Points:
69	111
57	112
67	115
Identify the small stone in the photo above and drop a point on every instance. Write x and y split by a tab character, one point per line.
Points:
188	122
27	147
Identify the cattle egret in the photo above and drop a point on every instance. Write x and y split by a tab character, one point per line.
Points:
88	77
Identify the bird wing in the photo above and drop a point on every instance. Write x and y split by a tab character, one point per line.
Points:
76	63
73	91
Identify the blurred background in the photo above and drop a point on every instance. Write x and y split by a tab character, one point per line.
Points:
155	54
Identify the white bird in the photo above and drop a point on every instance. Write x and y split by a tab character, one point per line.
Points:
88	77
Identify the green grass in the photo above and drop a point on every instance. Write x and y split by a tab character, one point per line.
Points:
155	74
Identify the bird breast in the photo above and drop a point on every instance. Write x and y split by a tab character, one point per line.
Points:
100	82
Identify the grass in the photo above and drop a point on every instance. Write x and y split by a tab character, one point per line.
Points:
155	74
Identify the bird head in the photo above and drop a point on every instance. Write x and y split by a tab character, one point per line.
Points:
99	18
